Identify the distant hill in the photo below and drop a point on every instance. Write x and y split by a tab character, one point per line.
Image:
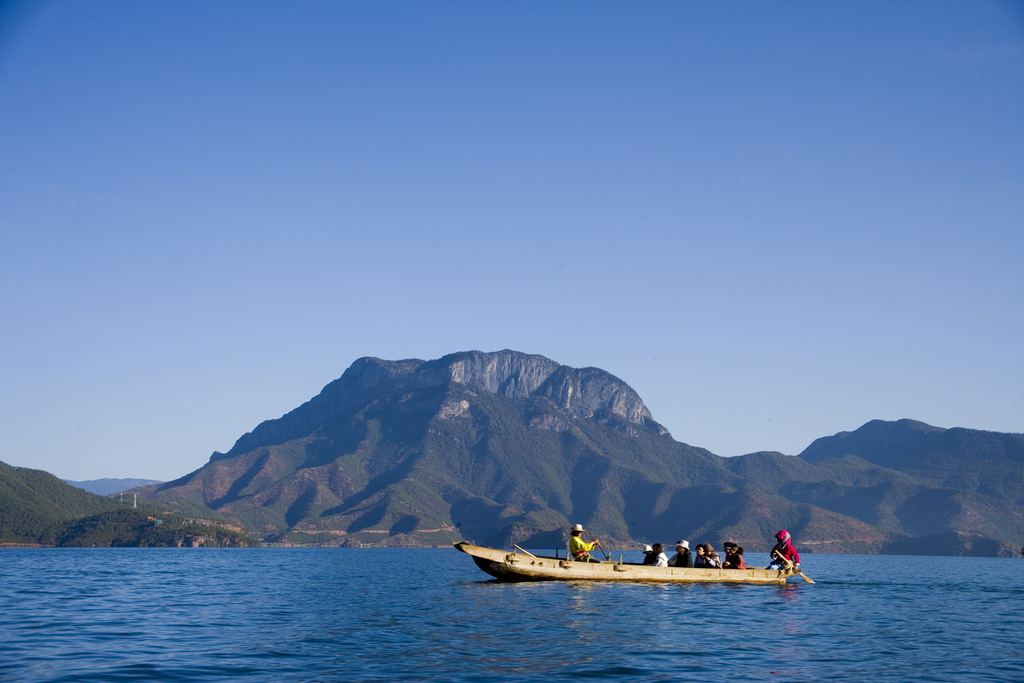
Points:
133	528
988	463
38	508
506	447
32	502
104	487
891	501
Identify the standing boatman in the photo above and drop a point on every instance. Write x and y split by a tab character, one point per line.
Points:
579	549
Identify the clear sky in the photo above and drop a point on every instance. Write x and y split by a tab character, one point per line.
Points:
776	221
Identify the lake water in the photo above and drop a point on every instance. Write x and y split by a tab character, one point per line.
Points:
430	615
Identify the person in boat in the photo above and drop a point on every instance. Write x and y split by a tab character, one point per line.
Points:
783	551
733	557
714	560
683	556
660	558
579	549
701	560
649	556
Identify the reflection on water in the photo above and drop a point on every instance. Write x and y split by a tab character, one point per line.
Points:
431	615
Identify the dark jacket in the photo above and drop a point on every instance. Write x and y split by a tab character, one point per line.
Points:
682	559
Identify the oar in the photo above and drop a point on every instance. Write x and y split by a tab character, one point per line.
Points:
527	552
790	567
606	556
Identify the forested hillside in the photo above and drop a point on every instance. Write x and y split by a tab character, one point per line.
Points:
33	501
37	508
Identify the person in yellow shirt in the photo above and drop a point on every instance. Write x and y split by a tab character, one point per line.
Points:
579	549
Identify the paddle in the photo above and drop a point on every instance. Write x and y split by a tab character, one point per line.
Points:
790	567
525	551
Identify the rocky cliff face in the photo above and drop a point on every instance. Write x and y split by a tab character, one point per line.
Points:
581	392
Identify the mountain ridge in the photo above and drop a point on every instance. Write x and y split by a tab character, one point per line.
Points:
989	463
506	447
106	486
504	373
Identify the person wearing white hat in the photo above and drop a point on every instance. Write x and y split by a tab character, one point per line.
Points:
683	556
579	549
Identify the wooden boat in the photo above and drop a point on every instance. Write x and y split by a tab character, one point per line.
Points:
519	565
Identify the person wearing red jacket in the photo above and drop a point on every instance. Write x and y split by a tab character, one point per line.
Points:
733	557
783	551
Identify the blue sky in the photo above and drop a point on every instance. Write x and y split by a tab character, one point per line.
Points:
776	221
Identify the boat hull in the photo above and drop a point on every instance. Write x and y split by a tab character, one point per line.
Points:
517	566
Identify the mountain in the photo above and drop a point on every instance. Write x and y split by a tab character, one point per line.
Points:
959	490
507	447
37	508
892	501
430	451
104	487
987	463
32	502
